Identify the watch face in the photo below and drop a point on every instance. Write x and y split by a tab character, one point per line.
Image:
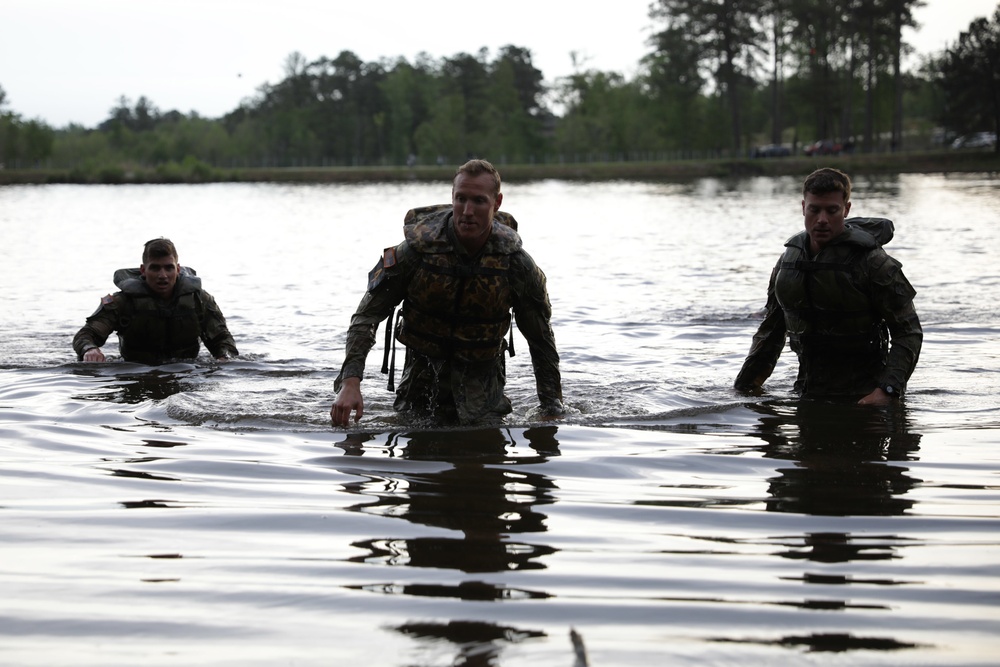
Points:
889	389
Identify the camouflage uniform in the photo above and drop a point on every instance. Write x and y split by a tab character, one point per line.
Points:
152	331
840	309
454	319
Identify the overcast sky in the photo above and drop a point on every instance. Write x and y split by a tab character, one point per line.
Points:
66	61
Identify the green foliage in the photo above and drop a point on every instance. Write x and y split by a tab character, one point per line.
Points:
22	143
969	76
721	77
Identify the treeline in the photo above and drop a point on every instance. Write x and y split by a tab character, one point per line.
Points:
721	77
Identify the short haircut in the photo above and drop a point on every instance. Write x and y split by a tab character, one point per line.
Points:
476	167
158	248
826	180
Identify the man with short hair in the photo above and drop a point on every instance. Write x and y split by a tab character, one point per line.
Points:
844	304
160	314
458	274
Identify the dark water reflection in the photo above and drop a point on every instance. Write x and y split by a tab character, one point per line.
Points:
133	384
477	644
845	458
480	493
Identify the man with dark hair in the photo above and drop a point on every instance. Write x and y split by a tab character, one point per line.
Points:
844	304
160	313
458	274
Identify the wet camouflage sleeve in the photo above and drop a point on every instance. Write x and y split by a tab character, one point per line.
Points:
767	344
214	331
99	326
533	313
387	287
892	297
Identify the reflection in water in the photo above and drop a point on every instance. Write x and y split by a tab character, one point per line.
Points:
832	643
481	494
133	388
479	643
843	458
844	464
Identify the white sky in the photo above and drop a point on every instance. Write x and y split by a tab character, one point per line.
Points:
66	61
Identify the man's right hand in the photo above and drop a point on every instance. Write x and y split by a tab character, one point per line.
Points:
348	400
93	354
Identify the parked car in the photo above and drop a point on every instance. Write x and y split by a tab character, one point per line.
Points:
823	147
771	150
977	140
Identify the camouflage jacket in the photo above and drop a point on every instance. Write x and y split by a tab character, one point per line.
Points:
153	331
476	384
849	315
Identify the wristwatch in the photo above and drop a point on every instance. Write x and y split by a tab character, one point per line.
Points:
891	390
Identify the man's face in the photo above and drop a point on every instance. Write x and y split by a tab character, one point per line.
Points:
473	205
161	275
824	216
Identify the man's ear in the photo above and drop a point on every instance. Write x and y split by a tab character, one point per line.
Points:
496	204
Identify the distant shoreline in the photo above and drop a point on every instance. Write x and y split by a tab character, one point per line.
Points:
670	171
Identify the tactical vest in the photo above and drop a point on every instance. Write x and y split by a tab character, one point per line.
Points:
455	309
151	330
826	311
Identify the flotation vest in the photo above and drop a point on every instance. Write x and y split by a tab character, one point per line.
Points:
456	309
827	309
151	330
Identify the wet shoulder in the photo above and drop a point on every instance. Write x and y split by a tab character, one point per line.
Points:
428	233
503	240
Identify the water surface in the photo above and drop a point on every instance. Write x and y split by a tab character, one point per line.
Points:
207	514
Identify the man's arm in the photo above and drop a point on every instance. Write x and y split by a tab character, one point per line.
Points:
768	343
214	331
88	340
533	313
893	299
387	287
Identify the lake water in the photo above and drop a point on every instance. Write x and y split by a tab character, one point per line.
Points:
206	514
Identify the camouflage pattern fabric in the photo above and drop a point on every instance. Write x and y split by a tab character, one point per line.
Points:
152	331
450	389
838	308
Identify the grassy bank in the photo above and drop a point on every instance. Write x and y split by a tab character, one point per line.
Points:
680	170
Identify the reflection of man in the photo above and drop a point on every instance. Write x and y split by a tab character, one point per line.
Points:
160	314
458	274
844	303
489	525
842	459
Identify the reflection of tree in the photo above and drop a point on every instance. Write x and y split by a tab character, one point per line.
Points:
843	458
473	483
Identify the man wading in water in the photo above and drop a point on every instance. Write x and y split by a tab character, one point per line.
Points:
458	274
160	314
844	304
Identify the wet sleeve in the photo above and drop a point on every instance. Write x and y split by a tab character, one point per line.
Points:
533	314
767	345
893	295
387	284
99	326
214	331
